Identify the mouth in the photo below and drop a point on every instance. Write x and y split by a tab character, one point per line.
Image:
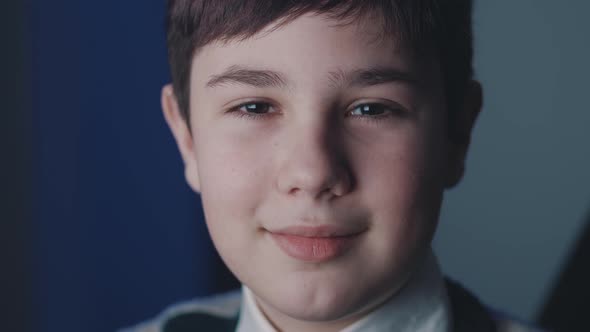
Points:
315	244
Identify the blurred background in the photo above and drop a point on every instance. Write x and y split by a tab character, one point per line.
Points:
98	229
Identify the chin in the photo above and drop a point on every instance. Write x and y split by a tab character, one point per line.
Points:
319	300
322	310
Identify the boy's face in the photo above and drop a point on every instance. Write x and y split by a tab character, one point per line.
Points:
321	154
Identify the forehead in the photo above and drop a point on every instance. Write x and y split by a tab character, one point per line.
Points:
305	48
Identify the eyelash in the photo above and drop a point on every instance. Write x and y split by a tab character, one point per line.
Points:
389	111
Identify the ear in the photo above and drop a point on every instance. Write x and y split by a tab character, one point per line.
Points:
184	140
460	132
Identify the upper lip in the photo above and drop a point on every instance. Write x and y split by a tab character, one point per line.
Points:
326	230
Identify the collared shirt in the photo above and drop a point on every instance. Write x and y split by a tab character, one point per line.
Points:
420	306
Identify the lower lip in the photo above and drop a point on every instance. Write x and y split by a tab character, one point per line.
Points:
313	249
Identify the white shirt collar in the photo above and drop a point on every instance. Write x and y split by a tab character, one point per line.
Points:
421	306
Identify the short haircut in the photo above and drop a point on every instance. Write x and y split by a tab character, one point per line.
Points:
441	26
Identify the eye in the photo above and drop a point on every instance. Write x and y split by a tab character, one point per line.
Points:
373	110
254	108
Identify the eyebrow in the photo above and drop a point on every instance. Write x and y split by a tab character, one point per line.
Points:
371	76
264	78
259	78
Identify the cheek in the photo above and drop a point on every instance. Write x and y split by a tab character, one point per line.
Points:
403	185
231	177
233	181
403	197
228	172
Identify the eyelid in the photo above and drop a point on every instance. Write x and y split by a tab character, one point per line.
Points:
246	100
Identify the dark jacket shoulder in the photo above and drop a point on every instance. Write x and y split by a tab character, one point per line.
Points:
470	315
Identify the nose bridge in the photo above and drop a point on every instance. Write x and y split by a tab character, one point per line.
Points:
315	161
315	145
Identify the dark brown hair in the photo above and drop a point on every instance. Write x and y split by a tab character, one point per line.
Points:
440	25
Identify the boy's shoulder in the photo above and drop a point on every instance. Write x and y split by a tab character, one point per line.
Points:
212	313
221	313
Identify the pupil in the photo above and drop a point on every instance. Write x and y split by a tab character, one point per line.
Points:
256	108
371	109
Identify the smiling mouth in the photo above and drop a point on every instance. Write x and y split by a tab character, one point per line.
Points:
315	244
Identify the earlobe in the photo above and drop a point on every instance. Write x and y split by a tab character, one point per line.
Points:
464	121
182	135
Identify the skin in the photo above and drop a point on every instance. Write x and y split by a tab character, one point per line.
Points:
265	155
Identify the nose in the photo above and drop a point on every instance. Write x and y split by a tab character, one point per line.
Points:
314	164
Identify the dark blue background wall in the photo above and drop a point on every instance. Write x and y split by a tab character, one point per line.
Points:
118	235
